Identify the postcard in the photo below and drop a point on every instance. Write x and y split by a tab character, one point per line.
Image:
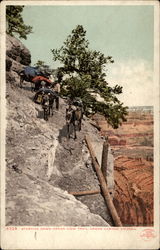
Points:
80	124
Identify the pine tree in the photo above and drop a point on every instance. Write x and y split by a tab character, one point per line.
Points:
39	63
15	23
86	77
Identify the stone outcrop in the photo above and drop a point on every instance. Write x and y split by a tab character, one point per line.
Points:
16	51
32	201
17	57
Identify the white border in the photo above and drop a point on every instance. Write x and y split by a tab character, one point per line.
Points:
84	2
116	238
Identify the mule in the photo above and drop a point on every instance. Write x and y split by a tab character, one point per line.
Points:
23	78
74	117
47	105
51	103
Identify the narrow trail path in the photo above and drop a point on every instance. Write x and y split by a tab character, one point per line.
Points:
72	170
43	150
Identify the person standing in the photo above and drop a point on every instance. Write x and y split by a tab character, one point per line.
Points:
51	78
57	89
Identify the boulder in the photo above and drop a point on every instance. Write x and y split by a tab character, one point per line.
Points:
12	77
8	63
35	202
17	51
16	66
17	57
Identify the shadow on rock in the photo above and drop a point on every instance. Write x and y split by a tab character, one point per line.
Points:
40	114
28	88
62	133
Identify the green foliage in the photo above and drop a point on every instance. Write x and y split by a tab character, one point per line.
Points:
39	63
15	23
85	77
76	56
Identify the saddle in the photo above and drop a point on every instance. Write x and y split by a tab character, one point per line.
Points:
39	99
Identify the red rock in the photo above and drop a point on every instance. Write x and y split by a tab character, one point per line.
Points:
113	140
122	142
133	197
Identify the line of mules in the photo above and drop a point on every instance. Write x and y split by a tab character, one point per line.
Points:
47	105
74	113
46	97
34	78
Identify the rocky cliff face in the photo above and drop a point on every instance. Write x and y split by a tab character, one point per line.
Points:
42	166
17	57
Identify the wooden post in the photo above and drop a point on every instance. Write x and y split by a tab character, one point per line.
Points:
88	192
104	158
103	184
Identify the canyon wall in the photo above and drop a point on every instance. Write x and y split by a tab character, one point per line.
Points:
132	146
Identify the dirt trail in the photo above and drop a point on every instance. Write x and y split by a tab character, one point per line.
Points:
72	170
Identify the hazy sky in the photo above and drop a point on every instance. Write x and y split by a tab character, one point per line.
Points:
124	32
